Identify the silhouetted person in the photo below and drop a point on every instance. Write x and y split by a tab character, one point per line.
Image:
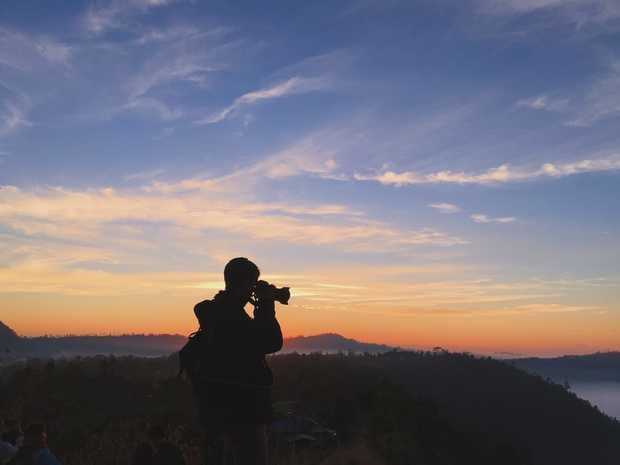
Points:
13	433
234	398
34	451
7	449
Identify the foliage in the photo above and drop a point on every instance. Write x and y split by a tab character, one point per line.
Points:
393	408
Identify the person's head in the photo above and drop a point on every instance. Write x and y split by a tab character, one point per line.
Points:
241	275
35	436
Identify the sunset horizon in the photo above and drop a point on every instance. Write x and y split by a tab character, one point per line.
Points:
418	175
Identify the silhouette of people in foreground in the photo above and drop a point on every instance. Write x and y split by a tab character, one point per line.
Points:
8	442
234	395
12	433
34	450
157	450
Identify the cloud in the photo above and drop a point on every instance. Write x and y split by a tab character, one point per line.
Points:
292	86
157	36
65	273
54	52
445	207
184	62
51	279
38	267
24	52
481	218
477	217
189	59
42	265
437	297
314	155
25	56
602	99
13	117
150	106
172	64
498	175
142	175
543	102
577	12
553	308
84	215
168	35
99	18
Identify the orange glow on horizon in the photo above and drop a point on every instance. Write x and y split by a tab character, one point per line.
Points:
518	334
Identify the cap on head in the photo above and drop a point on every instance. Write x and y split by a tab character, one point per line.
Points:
240	270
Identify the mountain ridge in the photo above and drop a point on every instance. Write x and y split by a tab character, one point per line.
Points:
163	344
599	366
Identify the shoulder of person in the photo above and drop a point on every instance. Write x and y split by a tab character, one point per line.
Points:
45	457
216	301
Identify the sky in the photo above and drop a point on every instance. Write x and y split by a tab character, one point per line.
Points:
420	173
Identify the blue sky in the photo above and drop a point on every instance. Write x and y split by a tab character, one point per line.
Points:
474	142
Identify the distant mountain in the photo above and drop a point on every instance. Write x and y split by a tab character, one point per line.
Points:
602	366
8	338
157	344
147	345
331	342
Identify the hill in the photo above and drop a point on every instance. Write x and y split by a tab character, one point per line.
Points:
9	340
153	345
602	366
331	343
406	408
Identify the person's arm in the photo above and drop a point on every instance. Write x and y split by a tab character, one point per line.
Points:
268	335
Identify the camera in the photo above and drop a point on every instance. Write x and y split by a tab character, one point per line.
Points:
265	291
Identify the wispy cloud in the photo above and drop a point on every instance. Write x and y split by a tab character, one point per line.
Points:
577	12
100	18
481	218
553	308
445	207
543	102
150	106
81	215
171	64
142	175
13	116
182	57
180	32
378	289
167	35
313	155
499	175
25	52
54	52
602	100
476	217
292	86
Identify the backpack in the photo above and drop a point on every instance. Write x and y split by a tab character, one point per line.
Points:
191	357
